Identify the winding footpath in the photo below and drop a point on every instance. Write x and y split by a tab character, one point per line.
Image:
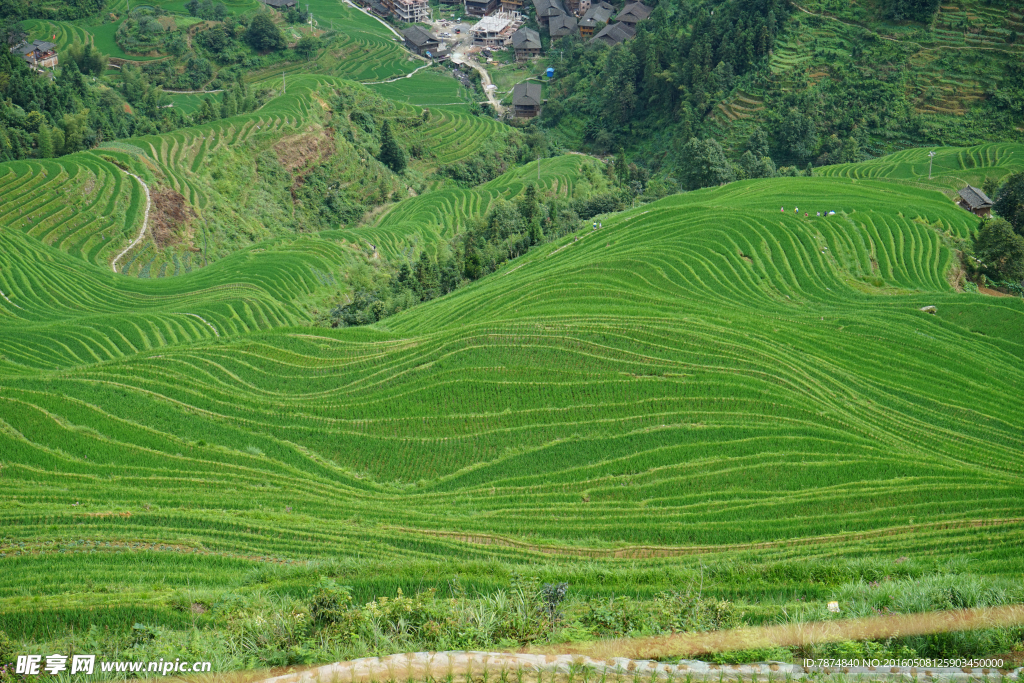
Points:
367	13
142	232
9	301
485	80
397	78
432	666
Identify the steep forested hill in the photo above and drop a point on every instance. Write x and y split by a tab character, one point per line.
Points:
811	82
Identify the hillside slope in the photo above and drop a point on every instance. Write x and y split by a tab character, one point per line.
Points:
703	371
297	165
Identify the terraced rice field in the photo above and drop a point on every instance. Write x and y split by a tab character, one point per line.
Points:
364	50
951	169
68	33
88	207
704	374
426	88
438	216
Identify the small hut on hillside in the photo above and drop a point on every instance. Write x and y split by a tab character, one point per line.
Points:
975	201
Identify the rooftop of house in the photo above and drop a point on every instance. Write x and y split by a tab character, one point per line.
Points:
418	37
28	48
561	26
614	33
526	39
526	95
280	3
634	12
599	13
549	8
975	198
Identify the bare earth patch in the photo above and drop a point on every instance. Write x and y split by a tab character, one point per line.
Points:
992	292
297	152
169	214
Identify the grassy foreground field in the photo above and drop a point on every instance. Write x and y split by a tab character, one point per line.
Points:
706	384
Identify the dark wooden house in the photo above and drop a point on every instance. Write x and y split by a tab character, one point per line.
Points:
975	201
420	41
526	43
526	99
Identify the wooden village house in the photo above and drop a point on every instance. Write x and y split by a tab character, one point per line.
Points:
526	43
613	34
38	53
633	13
559	27
420	41
526	99
975	201
480	8
547	9
598	13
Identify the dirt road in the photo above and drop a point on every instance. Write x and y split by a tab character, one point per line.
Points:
142	232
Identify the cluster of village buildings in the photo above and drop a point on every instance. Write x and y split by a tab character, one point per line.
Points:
38	53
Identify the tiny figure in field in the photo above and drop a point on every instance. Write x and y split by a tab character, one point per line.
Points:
819	214
805	214
796	210
782	209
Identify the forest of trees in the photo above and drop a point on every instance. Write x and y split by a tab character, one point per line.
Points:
683	60
44	118
510	229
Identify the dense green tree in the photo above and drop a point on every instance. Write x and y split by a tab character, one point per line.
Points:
391	154
308	46
528	207
220	11
229	104
757	143
192	6
89	60
1009	201
206	9
1000	249
45	142
796	136
264	35
703	164
753	167
428	278
912	10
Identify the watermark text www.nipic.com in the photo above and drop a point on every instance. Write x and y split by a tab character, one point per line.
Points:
33	665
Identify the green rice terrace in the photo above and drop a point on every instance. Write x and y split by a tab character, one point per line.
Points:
725	407
704	382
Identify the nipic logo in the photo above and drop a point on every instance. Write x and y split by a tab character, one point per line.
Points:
30	664
34	665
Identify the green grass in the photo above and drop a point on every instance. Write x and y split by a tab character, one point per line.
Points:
704	374
439	215
717	376
426	88
84	205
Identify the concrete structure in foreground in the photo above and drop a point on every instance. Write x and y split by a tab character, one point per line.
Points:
496	30
424	666
411	10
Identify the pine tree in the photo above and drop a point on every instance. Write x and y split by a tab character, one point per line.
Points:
391	153
45	142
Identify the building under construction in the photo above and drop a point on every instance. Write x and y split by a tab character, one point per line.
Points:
497	29
409	10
